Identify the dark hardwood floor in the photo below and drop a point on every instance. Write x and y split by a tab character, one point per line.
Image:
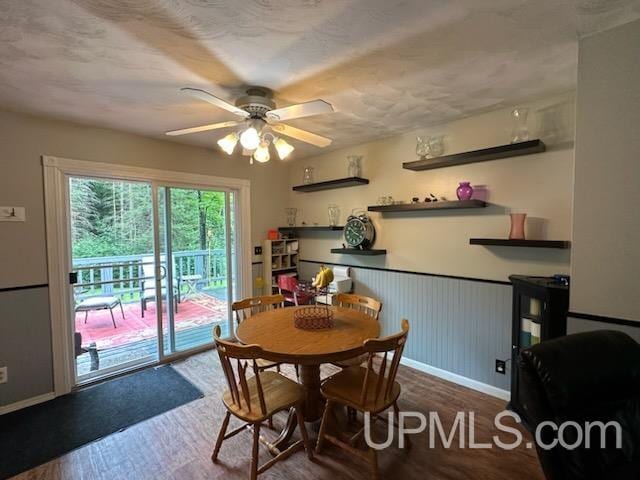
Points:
178	444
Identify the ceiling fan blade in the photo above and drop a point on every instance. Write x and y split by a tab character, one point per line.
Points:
203	128
302	135
213	100
300	110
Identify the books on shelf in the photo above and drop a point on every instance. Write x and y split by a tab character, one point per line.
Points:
535	333
529	332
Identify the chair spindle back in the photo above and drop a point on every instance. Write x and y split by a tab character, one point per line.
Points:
386	371
244	357
250	306
367	305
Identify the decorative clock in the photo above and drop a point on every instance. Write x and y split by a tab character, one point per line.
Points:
359	232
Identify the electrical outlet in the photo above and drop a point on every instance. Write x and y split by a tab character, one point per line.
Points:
257	250
501	366
4	374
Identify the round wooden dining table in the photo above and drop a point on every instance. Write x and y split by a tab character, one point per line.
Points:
281	341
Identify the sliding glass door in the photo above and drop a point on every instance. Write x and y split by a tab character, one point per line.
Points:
196	232
112	260
153	271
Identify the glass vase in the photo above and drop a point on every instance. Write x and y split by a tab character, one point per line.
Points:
354	168
464	191
422	146
517	226
520	131
291	216
307	176
334	215
436	146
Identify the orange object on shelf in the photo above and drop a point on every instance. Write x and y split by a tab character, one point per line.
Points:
273	235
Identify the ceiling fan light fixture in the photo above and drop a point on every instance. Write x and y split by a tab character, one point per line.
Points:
262	152
283	147
228	143
250	139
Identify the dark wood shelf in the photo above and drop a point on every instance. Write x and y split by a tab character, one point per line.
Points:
439	205
474	156
357	251
311	228
285	269
330	184
504	242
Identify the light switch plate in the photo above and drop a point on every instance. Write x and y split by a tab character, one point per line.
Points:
4	374
12	214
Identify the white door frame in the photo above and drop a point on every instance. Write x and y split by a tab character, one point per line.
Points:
56	173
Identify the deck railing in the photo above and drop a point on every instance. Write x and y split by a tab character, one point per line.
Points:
124	272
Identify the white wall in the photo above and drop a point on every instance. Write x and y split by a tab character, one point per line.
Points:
438	242
606	229
24	138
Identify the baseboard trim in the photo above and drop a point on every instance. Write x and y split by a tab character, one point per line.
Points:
458	379
29	402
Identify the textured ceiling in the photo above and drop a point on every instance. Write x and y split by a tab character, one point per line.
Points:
385	65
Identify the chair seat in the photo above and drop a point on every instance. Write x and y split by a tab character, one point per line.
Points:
353	362
346	386
279	393
97	303
262	363
150	293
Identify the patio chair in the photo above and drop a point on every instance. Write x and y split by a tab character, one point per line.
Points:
148	293
100	303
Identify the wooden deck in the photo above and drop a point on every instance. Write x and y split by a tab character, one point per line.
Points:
185	340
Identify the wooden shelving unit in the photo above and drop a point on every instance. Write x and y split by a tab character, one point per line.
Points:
331	184
278	257
424	206
311	228
503	242
356	251
474	156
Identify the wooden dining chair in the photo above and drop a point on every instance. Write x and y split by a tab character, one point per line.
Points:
371	389
250	306
255	400
367	305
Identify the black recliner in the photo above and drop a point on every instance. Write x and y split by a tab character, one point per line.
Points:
585	377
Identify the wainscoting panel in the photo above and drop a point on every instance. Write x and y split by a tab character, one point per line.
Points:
25	344
457	325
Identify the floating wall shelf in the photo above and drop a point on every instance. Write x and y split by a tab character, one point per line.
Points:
500	242
311	228
483	155
439	205
357	251
331	184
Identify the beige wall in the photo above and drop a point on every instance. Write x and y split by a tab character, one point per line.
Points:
23	139
438	242
606	254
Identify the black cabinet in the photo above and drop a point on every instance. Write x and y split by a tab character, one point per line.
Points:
540	306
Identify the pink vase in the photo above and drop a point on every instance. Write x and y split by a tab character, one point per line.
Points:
517	226
464	191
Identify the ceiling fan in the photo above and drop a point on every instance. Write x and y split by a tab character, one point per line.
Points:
260	123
